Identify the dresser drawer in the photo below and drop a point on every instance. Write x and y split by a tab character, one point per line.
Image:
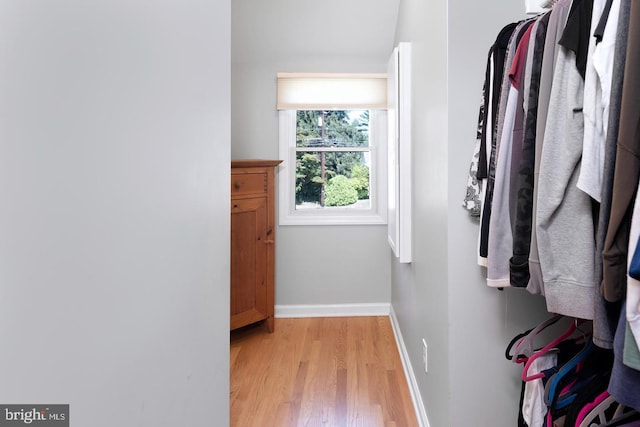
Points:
248	183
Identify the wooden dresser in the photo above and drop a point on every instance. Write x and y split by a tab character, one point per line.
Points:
252	242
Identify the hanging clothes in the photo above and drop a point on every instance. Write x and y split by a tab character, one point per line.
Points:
523	225
606	313
624	384
632	313
627	169
555	27
500	243
502	57
592	165
564	213
557	168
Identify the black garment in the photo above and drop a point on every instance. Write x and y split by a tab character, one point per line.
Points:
497	56
602	23
519	263
481	172
488	198
518	127
576	32
521	421
499	52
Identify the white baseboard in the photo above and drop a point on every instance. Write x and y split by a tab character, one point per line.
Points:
332	310
416	397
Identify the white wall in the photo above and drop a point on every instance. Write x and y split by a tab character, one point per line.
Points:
442	295
114	181
419	290
314	264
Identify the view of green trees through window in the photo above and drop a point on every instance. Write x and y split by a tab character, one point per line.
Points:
332	158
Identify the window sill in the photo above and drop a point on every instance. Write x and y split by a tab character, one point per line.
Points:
336	219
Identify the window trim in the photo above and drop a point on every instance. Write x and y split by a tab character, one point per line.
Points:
376	214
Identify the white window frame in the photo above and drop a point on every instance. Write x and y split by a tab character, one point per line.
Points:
376	214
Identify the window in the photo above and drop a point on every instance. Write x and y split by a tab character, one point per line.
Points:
333	131
334	169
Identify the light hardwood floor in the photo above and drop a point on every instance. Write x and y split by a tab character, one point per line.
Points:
337	372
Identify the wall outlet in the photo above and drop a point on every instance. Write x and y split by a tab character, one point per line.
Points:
424	354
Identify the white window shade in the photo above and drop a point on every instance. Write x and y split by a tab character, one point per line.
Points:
312	91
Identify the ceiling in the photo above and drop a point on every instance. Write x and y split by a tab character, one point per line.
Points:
274	29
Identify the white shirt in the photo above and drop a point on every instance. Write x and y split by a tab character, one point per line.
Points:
592	167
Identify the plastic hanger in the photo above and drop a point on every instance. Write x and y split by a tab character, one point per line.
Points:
587	372
551	391
561	398
623	416
521	347
597	415
510	354
525	372
589	412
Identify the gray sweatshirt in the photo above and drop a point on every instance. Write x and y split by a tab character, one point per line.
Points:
564	222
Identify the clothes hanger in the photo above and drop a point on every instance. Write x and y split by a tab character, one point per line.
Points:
588	409
576	372
551	390
510	353
521	346
625	417
587	372
597	412
589	393
597	416
525	372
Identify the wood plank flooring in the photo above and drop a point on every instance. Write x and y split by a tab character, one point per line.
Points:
337	372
